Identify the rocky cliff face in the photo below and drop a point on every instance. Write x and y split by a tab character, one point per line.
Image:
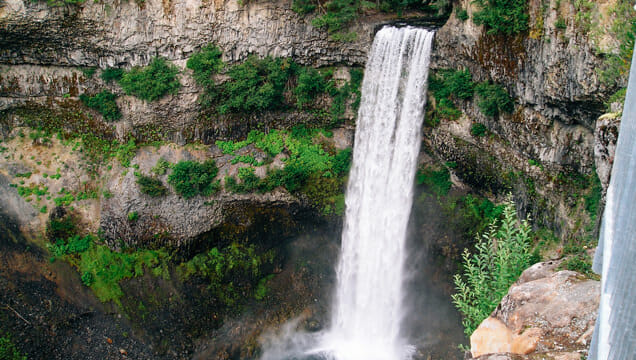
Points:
552	73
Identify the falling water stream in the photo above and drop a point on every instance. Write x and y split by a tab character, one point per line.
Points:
368	306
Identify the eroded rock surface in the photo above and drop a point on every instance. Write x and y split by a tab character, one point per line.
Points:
546	313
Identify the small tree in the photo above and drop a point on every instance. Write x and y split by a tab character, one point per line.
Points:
501	256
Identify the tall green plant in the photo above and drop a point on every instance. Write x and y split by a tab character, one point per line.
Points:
500	257
502	16
151	82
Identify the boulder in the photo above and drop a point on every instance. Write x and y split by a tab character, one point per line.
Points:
546	313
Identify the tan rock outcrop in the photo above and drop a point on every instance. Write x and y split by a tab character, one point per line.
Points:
545	312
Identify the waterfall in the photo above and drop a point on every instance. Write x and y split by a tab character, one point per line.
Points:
368	303
368	309
615	332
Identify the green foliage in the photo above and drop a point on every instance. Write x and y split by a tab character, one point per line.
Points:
62	228
72	245
261	288
151	82
161	167
126	152
57	3
303	7
581	263
204	64
338	15
8	351
133	216
448	85
461	14
560	23
436	180
255	85
191	178
493	99
112	74
501	256
104	103
624	27
88	71
310	168
151	186
272	143
506	17
230	271
311	83
593	197
618	96
478	129
103	268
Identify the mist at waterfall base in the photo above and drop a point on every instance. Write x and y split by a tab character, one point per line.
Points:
369	305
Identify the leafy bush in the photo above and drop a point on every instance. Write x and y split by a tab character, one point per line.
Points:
449	83
161	167
126	152
617	64
493	99
303	7
104	103
437	180
151	186
255	85
102	269
204	64
311	83
8	351
478	129
151	82
502	16
338	15
230	271
501	256
133	216
191	178
461	14
73	245
112	74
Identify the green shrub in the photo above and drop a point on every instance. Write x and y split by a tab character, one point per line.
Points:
502	16
112	74
151	82
437	180
104	103
230	271
303	7
501	256
126	152
493	99
461	14
581	263
204	64
133	216
478	129
72	245
102	269
560	23
8	351
311	83
338	15
450	83
255	85
617	64
618	96
161	167
191	178
151	186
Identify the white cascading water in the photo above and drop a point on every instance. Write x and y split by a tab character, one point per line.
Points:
368	305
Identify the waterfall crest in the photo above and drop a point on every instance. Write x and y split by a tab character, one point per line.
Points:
368	304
